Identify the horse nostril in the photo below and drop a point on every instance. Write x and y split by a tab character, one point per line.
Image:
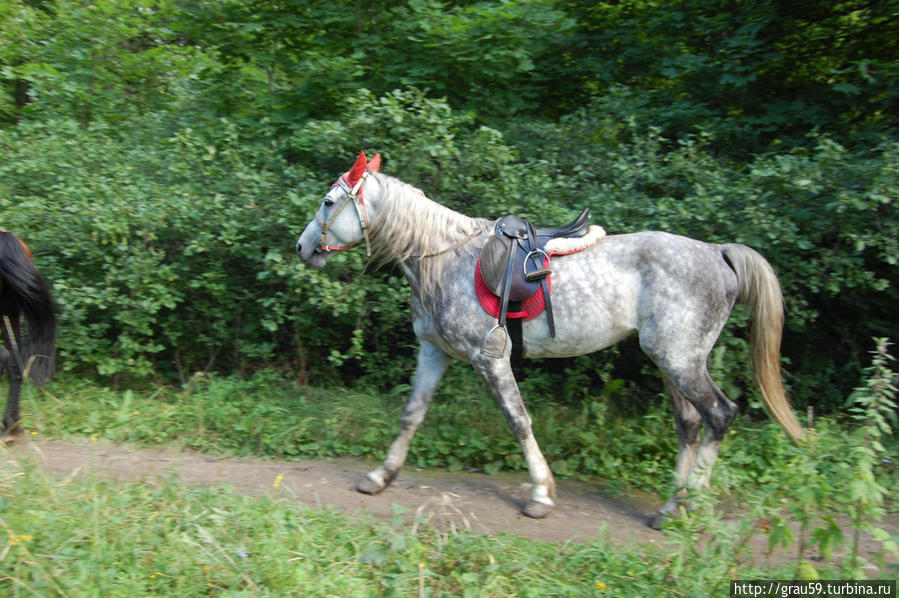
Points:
299	249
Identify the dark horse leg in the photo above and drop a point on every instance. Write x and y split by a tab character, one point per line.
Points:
689	424
696	400
10	364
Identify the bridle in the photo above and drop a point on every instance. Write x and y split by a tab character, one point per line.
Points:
353	194
351	183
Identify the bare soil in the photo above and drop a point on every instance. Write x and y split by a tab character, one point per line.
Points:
450	501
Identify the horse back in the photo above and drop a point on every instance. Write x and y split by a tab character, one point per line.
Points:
632	282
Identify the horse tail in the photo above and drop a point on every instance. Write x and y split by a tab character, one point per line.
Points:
760	290
25	292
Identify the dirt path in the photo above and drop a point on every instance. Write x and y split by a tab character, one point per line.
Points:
461	500
478	502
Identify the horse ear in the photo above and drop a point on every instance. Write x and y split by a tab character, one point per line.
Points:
375	163
358	169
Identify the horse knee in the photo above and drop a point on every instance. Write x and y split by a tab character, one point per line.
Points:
412	418
519	421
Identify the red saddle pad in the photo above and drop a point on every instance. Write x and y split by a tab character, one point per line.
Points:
531	307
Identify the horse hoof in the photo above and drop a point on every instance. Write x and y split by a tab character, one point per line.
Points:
656	521
537	510
368	486
11	436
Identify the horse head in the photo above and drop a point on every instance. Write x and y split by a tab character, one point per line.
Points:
335	228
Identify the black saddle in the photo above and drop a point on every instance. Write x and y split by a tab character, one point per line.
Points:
514	262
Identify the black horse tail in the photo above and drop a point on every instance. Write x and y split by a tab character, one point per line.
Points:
24	292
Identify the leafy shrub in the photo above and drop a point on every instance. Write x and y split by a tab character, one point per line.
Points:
172	252
155	250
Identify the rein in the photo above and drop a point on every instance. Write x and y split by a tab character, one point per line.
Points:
453	247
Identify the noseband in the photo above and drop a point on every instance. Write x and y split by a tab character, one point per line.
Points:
354	194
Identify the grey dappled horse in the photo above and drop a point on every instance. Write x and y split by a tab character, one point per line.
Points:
675	293
24	294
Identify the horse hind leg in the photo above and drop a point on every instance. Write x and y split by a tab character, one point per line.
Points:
689	424
717	412
431	366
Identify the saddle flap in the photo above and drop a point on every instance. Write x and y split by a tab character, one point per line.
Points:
495	262
511	226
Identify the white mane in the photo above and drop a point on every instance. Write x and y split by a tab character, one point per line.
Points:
408	225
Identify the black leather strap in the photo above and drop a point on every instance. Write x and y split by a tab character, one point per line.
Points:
544	281
516	336
507	285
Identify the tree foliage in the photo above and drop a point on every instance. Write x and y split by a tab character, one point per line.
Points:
161	156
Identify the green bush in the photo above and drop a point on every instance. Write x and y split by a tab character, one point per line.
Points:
176	254
172	250
155	250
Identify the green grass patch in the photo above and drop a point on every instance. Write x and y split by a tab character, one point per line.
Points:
842	479
101	538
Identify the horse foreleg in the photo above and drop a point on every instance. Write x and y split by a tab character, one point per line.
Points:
431	366
498	375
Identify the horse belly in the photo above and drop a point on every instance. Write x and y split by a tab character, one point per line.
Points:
594	306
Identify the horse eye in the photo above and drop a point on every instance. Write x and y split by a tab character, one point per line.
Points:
329	203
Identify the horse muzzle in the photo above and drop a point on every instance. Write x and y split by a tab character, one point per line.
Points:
310	252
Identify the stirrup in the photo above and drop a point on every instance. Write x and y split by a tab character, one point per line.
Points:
490	333
536	274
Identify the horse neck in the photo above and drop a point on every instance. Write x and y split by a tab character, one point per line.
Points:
409	225
419	233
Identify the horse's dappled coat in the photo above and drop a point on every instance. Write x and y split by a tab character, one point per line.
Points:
673	292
